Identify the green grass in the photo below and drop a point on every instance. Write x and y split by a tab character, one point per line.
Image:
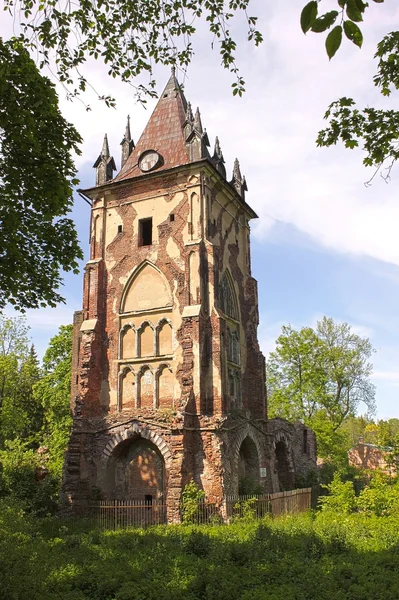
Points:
321	556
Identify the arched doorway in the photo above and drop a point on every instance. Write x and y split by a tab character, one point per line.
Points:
248	468
136	471
284	471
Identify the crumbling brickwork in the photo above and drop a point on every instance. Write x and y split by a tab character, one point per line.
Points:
168	380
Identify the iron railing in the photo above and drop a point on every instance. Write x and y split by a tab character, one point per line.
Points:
119	514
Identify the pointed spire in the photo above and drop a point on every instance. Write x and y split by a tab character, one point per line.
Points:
217	153
105	148
189	113
238	182
197	121
127	143
128	135
218	159
105	164
236	170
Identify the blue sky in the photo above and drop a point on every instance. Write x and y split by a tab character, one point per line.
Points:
324	244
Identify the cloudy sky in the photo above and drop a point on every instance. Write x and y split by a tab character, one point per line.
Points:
324	243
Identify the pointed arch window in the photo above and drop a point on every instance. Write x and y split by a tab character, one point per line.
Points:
227	299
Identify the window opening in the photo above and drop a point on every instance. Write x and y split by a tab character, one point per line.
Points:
148	499
172	217
145	232
120	228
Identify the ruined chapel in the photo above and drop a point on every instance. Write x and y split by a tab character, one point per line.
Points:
168	381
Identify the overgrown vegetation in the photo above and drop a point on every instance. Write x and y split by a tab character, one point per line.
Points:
34	416
325	555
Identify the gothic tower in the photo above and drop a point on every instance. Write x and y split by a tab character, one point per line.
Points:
168	379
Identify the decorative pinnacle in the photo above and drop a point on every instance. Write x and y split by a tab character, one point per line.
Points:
105	148
197	121
189	113
173	70
128	135
237	171
217	153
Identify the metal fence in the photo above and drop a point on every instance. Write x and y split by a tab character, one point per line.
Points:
119	514
293	501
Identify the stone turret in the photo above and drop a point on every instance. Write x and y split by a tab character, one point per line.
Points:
127	143
197	138
238	182
105	164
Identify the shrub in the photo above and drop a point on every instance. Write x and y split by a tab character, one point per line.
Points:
341	496
379	497
192	497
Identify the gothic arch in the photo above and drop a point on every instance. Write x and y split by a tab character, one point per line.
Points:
227	297
163	393
123	332
126	372
117	437
135	462
146	288
245	432
254	456
145	390
148	348
162	323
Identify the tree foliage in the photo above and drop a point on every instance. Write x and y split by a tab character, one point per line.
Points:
377	130
53	391
129	37
320	376
34	415
36	178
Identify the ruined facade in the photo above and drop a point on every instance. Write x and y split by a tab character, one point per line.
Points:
168	380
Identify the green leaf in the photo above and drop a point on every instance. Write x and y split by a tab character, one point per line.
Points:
353	33
362	5
342	3
325	21
333	41
353	12
308	15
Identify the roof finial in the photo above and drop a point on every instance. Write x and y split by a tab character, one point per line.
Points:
236	170
173	70
238	182
128	135
126	143
217	151
105	148
197	121
189	113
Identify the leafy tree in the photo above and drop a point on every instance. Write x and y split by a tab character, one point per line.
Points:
53	391
319	377
20	415
36	178
376	129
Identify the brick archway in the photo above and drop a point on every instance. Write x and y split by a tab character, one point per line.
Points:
136	430
121	459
